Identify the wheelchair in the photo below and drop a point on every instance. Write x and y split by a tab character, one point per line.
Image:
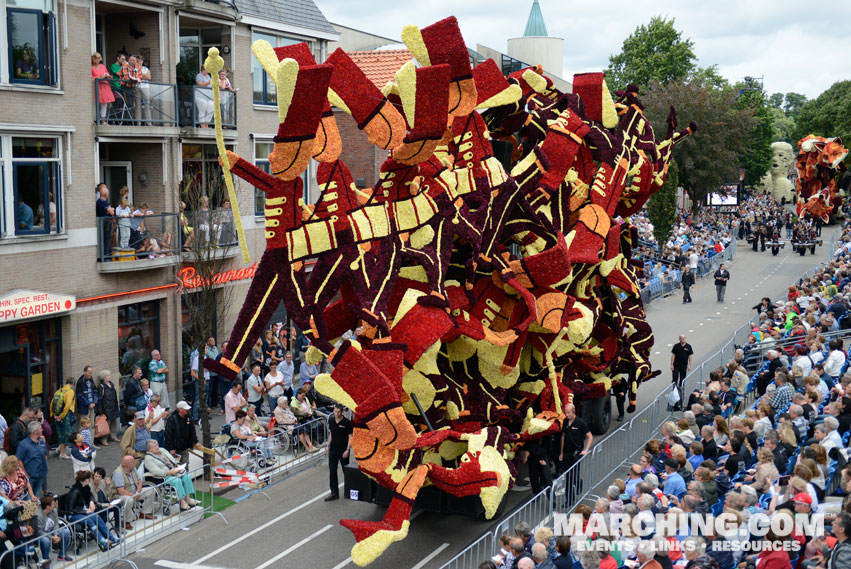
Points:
81	533
163	497
249	459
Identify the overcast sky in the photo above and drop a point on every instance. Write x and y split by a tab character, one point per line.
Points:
797	46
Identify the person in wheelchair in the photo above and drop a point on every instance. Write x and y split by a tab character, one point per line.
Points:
161	464
242	431
45	522
81	504
284	417
252	421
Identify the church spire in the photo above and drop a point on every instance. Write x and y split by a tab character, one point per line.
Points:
535	26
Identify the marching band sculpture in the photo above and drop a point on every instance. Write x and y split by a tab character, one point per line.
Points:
484	295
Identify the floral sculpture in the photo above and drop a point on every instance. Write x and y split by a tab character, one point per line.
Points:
485	295
819	164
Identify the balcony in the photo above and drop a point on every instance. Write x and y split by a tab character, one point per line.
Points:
137	243
149	108
195	110
208	234
155	108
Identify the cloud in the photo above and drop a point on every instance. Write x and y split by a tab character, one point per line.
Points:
794	47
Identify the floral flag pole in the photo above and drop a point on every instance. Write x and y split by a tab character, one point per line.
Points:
214	63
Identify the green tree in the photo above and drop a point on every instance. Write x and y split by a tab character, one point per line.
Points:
775	101
827	115
655	52
710	157
793	103
756	156
782	126
662	206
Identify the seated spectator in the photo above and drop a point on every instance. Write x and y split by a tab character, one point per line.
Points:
674	483
160	463
133	442
565	559
252	421
696	458
82	455
44	523
14	484
103	493
128	489
81	505
239	429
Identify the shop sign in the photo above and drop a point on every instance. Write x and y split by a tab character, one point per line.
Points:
22	304
189	278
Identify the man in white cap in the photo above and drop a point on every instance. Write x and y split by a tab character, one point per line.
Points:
180	435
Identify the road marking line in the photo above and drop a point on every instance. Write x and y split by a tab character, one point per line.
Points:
433	554
176	565
292	548
259	529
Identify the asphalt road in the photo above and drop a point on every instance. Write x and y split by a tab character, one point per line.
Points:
296	528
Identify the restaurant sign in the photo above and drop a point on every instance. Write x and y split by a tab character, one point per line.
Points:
23	304
189	278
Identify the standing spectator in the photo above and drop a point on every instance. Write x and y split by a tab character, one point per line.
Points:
108	404
180	435
338	448
226	97
234	401
3	427
32	452
722	275
576	439
682	355
157	371
203	98
254	387
122	212
307	372
287	368
115	69
274	383
211	380
155	418
87	396
190	388
62	411
134	396
103	211
129	76
105	95
133	440
18	431
144	89
687	280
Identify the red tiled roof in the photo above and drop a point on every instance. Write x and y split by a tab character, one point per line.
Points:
381	66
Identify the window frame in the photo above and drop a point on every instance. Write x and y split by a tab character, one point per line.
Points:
8	205
48	53
294	38
137	322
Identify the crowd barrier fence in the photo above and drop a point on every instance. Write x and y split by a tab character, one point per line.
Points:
607	458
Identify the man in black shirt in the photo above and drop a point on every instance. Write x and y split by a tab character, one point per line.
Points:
576	439
681	358
687	281
722	275
710	448
338	447
772	443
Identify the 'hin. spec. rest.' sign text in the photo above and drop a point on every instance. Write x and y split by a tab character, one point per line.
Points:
23	304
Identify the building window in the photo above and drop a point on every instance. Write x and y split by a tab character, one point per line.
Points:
262	149
202	174
31	35
194	44
35	201
264	87
138	334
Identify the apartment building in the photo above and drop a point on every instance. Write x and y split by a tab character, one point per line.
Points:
77	289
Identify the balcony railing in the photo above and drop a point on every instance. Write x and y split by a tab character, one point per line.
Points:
147	104
139	242
195	107
209	230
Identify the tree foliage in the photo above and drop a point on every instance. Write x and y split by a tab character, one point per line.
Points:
792	104
827	115
710	157
655	52
756	156
775	101
662	206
